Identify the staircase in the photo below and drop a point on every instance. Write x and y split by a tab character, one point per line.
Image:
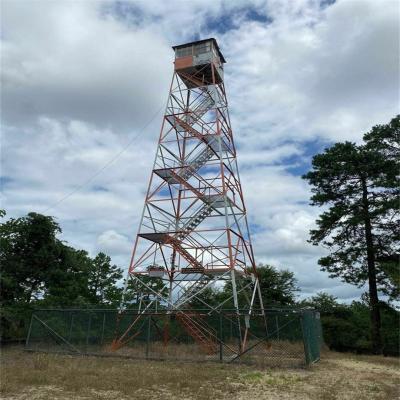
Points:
194	221
184	123
206	103
194	115
203	335
197	163
197	267
181	125
188	227
211	202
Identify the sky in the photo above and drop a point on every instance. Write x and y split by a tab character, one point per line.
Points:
84	85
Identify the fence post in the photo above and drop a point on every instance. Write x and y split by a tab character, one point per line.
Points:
29	332
305	339
88	331
277	327
70	326
221	337
239	337
102	329
148	337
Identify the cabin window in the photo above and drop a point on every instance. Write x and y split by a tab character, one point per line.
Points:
183	52
202	48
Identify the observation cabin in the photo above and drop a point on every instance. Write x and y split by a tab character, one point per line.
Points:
199	63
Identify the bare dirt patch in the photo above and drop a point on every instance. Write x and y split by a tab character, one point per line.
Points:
338	376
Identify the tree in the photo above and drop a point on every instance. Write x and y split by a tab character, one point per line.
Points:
323	302
137	293
102	280
345	327
278	287
67	280
385	141
360	186
38	269
28	252
210	296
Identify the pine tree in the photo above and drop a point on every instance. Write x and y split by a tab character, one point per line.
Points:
102	280
360	185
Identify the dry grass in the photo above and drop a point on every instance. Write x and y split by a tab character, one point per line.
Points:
272	354
338	376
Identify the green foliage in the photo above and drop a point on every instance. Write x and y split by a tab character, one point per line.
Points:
102	281
135	289
278	287
346	327
323	302
213	297
67	279
358	186
39	270
339	178
28	251
391	271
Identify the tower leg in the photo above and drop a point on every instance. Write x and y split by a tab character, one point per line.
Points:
171	280
262	306
236	304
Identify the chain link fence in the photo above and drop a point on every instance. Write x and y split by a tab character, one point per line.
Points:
279	337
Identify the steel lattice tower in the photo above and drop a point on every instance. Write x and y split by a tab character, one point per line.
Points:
193	232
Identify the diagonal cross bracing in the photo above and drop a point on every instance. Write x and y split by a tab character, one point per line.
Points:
194	226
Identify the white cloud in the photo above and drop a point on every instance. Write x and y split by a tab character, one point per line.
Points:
79	80
66	60
113	242
311	73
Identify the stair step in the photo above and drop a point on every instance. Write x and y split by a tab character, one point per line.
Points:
195	164
199	333
190	225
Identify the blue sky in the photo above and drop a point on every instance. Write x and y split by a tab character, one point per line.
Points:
81	79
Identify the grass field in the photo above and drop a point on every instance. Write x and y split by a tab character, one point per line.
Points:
34	376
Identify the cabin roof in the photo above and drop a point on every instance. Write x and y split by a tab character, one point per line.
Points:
202	41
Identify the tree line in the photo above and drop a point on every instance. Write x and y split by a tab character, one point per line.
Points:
357	186
41	271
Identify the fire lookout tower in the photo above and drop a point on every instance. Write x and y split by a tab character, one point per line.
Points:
193	233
